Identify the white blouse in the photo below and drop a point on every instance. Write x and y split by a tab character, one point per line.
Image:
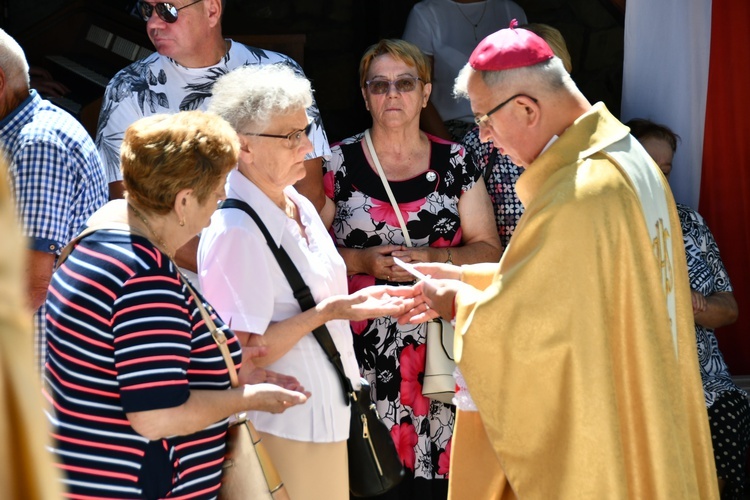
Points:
242	280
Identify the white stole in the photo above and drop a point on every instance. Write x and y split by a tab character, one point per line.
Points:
652	195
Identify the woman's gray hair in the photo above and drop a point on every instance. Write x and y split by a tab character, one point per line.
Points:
13	60
255	94
549	75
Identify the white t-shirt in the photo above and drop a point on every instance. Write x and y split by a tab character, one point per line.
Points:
241	279
442	29
157	84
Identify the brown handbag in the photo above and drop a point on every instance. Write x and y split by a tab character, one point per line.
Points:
248	471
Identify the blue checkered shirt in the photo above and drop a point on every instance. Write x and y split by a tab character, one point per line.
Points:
57	180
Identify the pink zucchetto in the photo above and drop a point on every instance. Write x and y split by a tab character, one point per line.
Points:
510	48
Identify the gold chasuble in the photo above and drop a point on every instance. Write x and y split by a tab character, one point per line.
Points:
579	349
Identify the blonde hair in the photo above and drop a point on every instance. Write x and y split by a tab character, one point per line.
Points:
398	49
164	154
554	39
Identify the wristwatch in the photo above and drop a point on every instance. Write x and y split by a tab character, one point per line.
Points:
449	260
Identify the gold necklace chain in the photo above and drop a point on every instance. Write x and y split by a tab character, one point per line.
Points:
473	25
159	239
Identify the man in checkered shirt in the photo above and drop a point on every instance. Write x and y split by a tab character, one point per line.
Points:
55	173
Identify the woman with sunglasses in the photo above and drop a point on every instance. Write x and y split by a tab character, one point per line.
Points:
448	216
243	280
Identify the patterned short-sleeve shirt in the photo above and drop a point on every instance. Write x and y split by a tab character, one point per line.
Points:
158	84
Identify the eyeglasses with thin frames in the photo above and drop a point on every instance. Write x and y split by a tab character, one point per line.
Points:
481	120
402	85
165	10
293	138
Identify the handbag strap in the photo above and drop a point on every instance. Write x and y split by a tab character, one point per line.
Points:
219	337
300	290
109	217
387	186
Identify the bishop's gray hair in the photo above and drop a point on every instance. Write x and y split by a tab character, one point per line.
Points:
550	74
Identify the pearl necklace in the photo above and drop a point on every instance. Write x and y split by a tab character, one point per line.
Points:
163	246
473	25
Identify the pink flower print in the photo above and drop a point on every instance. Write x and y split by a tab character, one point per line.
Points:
405	438
328	184
359	281
442	242
358	326
444	462
412	372
382	211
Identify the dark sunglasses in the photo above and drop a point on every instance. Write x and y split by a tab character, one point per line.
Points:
165	10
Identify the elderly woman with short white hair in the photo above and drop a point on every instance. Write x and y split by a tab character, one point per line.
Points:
266	106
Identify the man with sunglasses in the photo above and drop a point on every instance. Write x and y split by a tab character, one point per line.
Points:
191	54
578	367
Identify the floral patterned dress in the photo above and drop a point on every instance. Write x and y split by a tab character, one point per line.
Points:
392	356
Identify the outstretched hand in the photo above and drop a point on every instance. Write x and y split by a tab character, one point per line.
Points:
269	390
251	374
432	299
370	302
272	398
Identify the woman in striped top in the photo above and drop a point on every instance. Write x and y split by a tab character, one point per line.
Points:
139	392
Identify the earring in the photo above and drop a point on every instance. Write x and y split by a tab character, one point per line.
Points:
182	222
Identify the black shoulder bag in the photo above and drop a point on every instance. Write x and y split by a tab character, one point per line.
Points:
374	465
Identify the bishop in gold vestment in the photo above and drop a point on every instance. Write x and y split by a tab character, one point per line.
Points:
578	347
566	345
